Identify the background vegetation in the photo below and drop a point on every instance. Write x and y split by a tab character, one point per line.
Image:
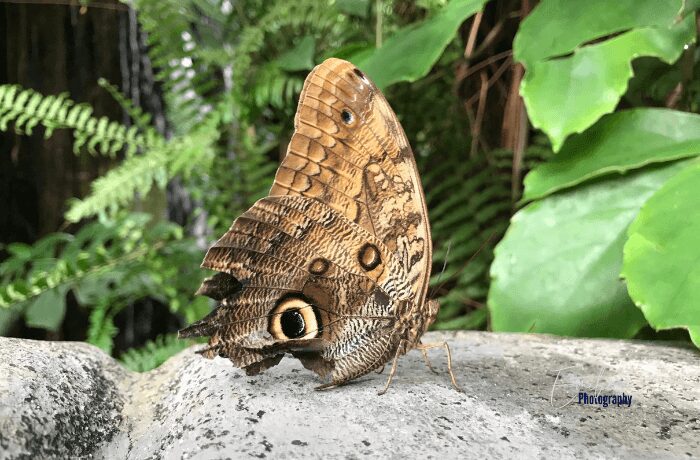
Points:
136	132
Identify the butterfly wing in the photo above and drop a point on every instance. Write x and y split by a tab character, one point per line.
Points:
350	151
323	266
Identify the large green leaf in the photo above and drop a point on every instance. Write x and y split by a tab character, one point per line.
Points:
662	255
558	27
617	143
557	268
566	95
410	53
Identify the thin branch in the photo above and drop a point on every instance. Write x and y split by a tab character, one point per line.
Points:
471	41
480	109
378	24
514	133
488	40
486	63
492	80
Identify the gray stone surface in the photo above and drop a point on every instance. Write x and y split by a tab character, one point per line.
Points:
69	399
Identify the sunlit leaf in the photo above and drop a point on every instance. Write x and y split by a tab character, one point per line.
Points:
566	93
617	143
557	268
662	255
558	27
410	53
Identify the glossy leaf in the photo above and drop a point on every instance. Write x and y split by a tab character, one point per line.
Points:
662	255
558	27
566	95
410	53
617	143
557	268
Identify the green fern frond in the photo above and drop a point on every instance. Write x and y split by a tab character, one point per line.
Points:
101	328
136	114
138	174
107	266
234	182
66	260
26	109
281	20
470	204
189	45
276	88
154	353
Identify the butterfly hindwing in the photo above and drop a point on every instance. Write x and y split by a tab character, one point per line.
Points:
292	252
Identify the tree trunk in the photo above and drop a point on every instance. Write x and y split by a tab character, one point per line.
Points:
53	49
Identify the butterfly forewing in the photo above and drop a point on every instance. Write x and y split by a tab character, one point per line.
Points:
349	150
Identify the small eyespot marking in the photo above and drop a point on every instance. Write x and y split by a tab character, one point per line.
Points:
347	116
319	266
359	73
369	257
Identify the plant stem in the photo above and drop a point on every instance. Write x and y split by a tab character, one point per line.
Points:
378	24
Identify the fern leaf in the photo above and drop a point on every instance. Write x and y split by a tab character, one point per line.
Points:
101	330
64	260
26	109
154	353
470	223
138	117
138	174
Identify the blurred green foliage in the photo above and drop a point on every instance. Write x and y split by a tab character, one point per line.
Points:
154	352
231	74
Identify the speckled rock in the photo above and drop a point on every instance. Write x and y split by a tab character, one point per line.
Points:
57	399
521	399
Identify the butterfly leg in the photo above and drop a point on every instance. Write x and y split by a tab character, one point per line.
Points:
427	360
326	386
329	385
393	369
427	346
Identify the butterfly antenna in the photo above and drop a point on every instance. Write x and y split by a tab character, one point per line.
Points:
444	265
466	264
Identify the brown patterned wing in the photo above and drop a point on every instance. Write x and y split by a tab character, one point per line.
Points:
295	275
349	150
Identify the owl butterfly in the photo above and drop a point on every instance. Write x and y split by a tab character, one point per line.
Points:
333	265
